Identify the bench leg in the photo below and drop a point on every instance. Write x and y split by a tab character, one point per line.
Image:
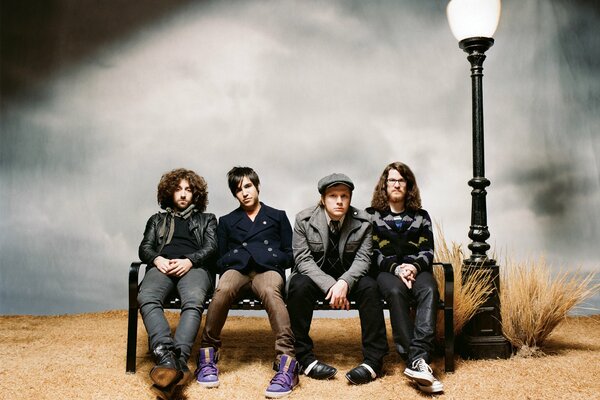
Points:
131	340
448	340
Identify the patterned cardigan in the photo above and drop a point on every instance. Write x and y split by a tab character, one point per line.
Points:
411	244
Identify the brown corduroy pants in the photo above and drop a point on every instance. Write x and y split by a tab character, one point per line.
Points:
268	287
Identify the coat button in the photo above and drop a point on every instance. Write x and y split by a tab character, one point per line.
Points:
269	249
266	242
264	222
244	244
235	251
274	255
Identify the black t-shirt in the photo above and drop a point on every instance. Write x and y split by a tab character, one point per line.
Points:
183	241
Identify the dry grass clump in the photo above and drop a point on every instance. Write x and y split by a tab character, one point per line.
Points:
470	291
533	302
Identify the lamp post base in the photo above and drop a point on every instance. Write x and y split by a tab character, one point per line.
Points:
482	335
485	347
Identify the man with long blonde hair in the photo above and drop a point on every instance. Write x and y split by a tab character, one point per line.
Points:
403	254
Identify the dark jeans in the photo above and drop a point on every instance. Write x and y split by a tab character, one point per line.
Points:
413	339
302	294
193	288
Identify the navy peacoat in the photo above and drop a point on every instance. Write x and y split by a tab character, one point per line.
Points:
267	240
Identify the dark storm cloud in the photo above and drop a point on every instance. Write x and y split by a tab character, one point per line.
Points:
553	187
43	142
40	37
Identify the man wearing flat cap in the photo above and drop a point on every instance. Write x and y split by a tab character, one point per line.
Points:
332	248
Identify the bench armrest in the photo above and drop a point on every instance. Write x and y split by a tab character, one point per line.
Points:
134	271
448	284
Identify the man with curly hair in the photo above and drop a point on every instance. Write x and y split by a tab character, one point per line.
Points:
255	248
178	247
403	254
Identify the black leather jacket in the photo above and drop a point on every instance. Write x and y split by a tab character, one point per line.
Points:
202	225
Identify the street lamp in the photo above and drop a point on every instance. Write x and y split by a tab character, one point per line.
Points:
473	23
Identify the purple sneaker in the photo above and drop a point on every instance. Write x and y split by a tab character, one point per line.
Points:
207	373
284	380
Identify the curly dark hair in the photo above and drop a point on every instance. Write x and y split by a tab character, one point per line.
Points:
379	201
169	182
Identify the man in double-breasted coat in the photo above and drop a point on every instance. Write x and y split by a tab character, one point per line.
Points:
255	248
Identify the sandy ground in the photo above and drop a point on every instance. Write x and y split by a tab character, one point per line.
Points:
83	357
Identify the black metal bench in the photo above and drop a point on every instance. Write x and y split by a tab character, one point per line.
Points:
173	302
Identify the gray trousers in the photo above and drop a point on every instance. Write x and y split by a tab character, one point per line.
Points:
193	288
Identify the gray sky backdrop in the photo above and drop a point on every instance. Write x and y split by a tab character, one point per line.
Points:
100	98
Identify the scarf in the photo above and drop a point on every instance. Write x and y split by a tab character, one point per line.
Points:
171	214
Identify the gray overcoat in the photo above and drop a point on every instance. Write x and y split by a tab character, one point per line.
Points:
311	238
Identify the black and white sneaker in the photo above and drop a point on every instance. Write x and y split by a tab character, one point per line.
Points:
436	387
420	372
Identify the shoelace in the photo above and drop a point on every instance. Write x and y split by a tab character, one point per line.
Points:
282	379
422	366
207	369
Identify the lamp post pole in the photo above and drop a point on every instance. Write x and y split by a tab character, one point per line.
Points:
482	336
478	233
473	23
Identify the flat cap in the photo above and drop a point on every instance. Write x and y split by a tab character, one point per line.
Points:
334	179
